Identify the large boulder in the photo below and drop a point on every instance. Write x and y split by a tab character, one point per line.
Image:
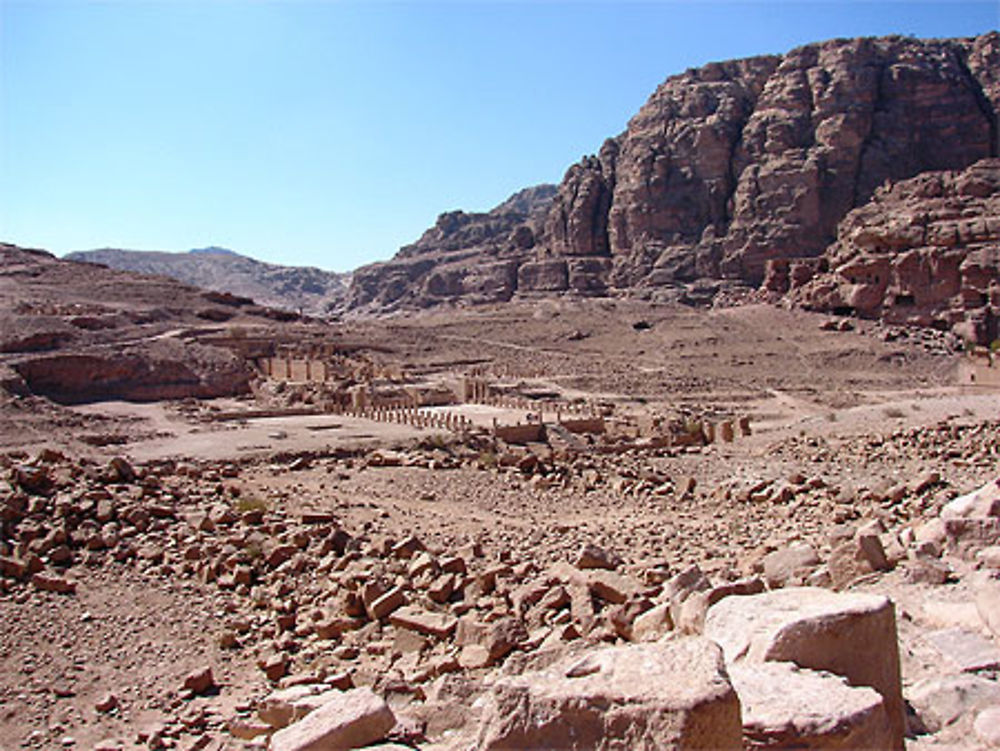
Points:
850	635
672	694
352	719
785	707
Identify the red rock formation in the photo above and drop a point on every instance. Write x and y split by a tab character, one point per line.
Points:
78	332
725	168
924	251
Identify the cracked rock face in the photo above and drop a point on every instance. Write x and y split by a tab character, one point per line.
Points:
922	252
725	168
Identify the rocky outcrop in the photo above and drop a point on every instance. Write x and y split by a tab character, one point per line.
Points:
77	332
924	251
151	371
308	290
726	168
472	256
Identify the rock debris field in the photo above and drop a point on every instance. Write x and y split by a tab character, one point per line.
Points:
453	594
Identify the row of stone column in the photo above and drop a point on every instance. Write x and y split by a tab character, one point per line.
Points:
282	369
410	416
560	408
725	430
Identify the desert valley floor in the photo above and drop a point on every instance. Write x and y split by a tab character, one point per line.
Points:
165	571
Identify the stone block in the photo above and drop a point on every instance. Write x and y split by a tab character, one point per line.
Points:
642	696
349	720
850	635
786	707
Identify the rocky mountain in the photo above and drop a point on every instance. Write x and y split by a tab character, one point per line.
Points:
475	256
924	251
309	290
726	168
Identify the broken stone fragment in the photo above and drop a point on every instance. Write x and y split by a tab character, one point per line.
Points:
784	706
851	635
52	583
649	696
944	700
349	720
592	556
384	605
437	625
792	563
199	681
964	650
653	624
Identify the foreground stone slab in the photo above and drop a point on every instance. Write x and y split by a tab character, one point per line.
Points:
942	701
848	634
437	625
668	695
354	718
967	651
786	707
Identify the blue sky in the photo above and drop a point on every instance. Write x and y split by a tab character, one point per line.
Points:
331	133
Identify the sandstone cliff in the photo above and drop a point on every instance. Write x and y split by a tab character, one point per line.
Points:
473	256
725	168
924	251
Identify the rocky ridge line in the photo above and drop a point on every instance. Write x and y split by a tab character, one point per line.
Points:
725	168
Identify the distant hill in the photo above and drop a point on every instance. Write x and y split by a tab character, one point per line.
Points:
311	290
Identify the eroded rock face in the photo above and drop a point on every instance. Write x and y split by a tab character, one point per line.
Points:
727	167
471	256
150	372
78	332
924	251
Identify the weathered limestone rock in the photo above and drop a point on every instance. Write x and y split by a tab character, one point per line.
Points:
851	635
943	701
354	718
795	561
785	707
649	696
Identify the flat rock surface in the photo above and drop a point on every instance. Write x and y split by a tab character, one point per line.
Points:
783	705
966	651
670	694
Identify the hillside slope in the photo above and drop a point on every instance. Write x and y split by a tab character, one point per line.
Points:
309	290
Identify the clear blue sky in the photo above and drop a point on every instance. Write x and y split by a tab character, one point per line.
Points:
331	133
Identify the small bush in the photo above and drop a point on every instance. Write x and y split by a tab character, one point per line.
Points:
893	413
250	503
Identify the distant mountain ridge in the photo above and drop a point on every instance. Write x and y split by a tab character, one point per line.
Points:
309	290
